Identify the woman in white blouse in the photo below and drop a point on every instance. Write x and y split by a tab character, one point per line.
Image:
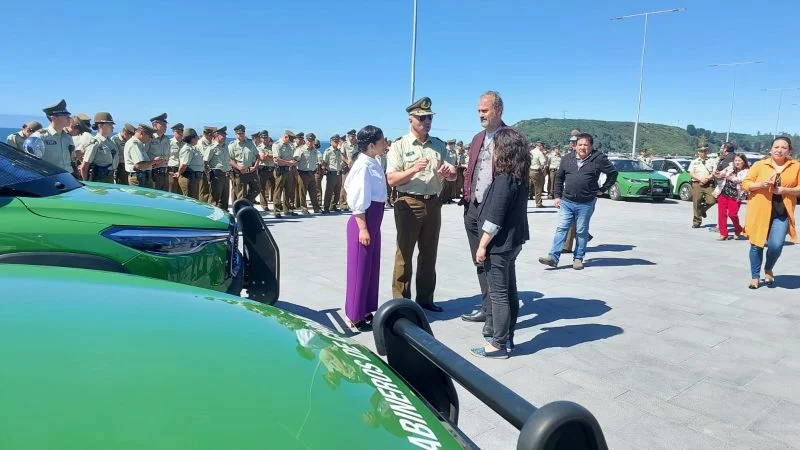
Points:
366	193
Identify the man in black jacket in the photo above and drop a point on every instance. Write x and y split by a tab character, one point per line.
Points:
575	195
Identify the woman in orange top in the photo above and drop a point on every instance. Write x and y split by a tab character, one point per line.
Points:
773	186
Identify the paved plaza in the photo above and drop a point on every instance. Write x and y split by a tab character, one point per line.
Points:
658	337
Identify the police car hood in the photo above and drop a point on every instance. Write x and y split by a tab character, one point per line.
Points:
115	204
111	360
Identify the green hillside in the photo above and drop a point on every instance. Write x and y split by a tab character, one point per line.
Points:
616	137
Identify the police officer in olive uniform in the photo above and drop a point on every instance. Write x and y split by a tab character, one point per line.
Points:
191	166
701	169
537	173
416	165
218	161
17	139
101	152
299	139
137	163
318	175
119	139
283	154
348	150
175	145
307	157
203	144
80	129
159	146
58	145
243	157
332	162
266	170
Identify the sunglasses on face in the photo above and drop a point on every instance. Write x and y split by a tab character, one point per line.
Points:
425	117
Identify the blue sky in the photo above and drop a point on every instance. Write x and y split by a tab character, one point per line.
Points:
328	66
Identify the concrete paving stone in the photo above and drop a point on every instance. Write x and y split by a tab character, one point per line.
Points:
773	381
724	402
780	423
588	352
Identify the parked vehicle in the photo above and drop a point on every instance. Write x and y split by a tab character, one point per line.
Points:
637	180
677	171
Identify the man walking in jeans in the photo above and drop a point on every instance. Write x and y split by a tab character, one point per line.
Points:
575	195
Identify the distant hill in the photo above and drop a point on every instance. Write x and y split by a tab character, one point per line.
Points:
616	137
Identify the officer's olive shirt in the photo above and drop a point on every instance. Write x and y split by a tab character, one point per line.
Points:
82	141
174	152
135	152
192	157
244	153
307	158
283	151
218	157
348	149
58	147
100	151
701	168
538	160
461	158
333	159
406	151
265	150
120	143
554	162
453	155
158	147
203	145
16	140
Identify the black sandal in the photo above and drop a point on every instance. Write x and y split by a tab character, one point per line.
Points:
753	285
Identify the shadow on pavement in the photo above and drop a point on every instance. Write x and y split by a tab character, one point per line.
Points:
552	309
566	336
454	308
322	317
617	262
610	248
786	282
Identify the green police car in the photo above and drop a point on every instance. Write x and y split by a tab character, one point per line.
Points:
103	360
677	170
47	217
637	180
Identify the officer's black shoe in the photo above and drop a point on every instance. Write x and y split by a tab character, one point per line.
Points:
488	332
432	307
475	316
324	212
695	225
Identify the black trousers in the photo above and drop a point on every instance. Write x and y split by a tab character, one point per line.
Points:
502	315
474	234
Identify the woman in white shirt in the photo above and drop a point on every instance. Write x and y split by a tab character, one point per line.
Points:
366	193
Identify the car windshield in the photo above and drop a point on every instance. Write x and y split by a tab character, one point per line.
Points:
24	174
630	165
684	164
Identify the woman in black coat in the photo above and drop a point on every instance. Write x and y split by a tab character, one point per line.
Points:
503	219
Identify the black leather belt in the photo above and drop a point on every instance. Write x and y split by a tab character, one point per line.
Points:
306	172
268	168
419	197
172	169
160	171
333	172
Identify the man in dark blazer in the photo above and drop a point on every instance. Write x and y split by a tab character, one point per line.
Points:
477	179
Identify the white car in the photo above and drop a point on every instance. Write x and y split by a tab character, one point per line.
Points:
677	170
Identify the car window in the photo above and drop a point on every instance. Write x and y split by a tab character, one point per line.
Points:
684	164
630	165
658	164
24	174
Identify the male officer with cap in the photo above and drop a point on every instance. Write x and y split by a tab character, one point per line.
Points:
332	161
101	152
283	154
175	145
17	139
701	169
191	165
243	157
159	146
349	149
266	169
58	145
204	143
307	157
137	163
119	139
537	172
218	160
80	129
416	163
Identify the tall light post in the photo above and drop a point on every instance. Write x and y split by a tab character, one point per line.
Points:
780	100
413	50
733	96
641	64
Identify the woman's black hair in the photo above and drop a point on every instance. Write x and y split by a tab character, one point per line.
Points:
513	157
370	134
744	160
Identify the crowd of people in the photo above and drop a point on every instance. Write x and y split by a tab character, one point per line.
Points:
493	179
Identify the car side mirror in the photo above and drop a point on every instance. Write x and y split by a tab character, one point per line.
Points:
672	171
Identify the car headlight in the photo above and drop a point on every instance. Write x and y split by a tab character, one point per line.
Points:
165	241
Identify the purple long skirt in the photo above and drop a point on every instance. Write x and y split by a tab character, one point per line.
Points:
363	266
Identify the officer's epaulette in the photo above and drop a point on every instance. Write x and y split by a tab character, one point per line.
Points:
93	141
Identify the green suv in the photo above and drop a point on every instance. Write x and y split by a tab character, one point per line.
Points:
637	180
47	217
677	170
102	360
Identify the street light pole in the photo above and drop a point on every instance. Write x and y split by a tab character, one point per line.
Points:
733	96
780	101
413	50
641	65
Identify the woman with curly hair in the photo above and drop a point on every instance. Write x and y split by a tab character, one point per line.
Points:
503	218
773	186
